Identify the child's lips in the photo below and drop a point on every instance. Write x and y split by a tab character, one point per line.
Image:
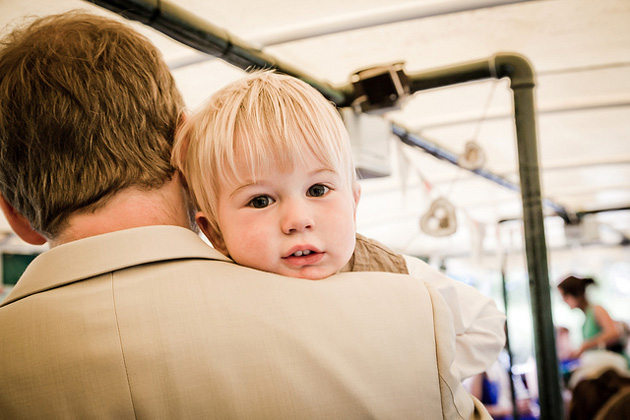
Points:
310	259
303	255
302	251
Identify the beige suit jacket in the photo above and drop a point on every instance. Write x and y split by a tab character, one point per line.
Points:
151	323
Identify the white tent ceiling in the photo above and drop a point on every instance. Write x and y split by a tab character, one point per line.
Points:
580	50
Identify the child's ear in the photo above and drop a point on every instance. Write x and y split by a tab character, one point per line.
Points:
216	239
356	195
20	225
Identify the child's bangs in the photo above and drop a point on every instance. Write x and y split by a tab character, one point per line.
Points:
279	142
273	123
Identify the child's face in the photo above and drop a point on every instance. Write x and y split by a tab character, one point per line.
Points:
298	224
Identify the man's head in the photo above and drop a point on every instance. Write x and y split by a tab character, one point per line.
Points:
87	108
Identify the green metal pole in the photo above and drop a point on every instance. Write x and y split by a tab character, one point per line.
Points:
522	83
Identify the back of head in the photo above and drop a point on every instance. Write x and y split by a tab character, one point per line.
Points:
617	407
575	286
587	398
87	107
262	121
590	395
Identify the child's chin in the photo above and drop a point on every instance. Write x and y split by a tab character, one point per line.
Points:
313	275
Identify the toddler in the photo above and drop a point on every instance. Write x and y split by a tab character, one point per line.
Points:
269	165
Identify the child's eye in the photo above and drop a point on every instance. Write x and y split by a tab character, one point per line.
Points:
260	202
317	190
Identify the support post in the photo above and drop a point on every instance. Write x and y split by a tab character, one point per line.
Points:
550	397
522	83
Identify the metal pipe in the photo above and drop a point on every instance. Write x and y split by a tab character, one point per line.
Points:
443	154
195	32
522	83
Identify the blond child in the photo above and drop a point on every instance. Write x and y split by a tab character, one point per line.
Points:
269	165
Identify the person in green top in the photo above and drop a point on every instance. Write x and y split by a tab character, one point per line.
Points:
599	330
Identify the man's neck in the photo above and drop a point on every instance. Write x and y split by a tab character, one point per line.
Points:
128	209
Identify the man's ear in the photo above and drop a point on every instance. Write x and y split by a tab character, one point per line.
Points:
20	225
215	237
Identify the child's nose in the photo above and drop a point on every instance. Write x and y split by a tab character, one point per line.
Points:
296	217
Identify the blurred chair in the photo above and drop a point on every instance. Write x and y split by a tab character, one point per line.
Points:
617	407
591	396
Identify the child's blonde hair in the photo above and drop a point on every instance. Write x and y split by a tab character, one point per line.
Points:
261	122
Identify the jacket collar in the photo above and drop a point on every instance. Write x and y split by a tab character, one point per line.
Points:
89	257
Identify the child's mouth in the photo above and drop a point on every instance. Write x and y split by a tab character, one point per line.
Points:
301	253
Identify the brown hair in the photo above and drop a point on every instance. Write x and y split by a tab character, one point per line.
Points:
575	286
590	395
87	107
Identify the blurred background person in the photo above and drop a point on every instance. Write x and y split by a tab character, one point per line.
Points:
599	330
